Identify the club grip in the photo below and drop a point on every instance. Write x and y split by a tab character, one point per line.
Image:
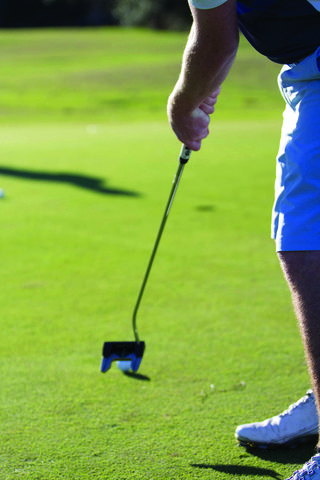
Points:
184	154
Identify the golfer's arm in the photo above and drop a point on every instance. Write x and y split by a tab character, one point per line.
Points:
209	53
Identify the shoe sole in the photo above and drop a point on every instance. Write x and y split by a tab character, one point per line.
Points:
312	438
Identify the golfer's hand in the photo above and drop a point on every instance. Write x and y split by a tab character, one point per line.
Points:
191	127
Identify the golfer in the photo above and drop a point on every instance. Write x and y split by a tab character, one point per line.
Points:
288	33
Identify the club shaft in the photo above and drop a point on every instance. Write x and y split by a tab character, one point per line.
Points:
184	157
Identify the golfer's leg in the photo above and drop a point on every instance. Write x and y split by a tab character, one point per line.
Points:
302	271
296	209
296	230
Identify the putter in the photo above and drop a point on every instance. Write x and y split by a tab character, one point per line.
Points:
133	351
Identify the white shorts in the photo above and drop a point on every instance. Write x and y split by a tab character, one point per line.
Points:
296	210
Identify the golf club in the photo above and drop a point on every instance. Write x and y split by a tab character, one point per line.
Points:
133	351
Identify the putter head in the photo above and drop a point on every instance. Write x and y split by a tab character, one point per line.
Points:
122	351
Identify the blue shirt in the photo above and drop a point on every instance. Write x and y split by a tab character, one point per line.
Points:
285	31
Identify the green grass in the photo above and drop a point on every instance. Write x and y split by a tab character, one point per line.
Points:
87	161
109	75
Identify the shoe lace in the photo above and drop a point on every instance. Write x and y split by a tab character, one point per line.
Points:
307	470
297	404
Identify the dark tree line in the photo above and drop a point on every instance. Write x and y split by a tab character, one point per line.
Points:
162	14
43	13
157	14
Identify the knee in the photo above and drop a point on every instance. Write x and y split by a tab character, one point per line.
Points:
302	269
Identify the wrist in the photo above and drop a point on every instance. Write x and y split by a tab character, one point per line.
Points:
180	103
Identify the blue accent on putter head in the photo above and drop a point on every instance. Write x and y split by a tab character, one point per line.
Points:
122	351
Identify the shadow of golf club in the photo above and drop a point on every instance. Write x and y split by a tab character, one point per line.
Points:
239	470
94	184
137	376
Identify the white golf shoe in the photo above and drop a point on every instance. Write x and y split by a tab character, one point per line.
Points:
309	471
298	424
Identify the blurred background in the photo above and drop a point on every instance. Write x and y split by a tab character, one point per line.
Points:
164	14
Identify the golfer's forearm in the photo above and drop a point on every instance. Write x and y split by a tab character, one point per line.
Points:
209	53
203	70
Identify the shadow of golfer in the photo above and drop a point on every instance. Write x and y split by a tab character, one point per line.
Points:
239	470
95	184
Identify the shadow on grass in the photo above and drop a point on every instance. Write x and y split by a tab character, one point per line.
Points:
239	470
285	455
94	184
137	376
205	208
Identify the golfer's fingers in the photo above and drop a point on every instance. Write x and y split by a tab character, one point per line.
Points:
192	129
194	145
211	100
215	94
207	108
193	138
194	141
208	104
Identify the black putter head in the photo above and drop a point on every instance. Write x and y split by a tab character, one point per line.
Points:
122	351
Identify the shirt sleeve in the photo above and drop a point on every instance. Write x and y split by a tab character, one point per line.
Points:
315	4
206	4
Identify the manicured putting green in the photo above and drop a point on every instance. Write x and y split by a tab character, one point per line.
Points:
87	161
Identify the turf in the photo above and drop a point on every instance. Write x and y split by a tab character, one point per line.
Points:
87	165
